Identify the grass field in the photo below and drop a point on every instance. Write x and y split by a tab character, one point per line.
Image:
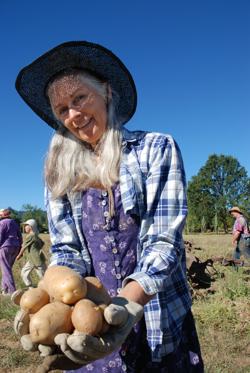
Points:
222	316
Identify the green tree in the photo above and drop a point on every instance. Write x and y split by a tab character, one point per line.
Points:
220	184
33	212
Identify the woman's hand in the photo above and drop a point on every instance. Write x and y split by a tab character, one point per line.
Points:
20	254
53	357
134	292
81	348
78	349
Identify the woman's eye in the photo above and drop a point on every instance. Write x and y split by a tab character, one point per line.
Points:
79	99
63	111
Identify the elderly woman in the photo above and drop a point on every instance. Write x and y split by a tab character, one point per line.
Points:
116	205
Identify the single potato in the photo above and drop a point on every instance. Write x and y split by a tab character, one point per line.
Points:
34	299
87	317
96	291
63	284
50	320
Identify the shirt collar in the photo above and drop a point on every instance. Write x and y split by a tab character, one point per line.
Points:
131	136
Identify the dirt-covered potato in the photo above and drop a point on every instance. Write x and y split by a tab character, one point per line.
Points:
50	320
65	301
63	284
105	325
96	291
34	299
87	317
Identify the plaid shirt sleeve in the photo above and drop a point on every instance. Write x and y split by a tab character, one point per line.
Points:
240	225
166	210
66	247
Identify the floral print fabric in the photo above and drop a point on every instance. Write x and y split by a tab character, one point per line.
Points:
112	246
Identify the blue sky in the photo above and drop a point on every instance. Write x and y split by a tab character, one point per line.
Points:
190	61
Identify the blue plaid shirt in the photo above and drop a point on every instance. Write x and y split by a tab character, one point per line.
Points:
152	183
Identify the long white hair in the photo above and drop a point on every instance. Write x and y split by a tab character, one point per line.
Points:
71	164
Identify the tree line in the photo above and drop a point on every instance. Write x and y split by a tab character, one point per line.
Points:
31	212
220	184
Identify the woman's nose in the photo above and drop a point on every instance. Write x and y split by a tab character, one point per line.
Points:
73	113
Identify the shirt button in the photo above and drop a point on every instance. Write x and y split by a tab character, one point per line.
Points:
104	193
118	276
114	250
118	291
124	368
117	263
104	203
123	352
106	214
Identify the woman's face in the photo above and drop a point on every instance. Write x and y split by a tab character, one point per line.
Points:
27	228
79	107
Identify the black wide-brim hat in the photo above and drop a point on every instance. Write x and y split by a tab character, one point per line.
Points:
32	80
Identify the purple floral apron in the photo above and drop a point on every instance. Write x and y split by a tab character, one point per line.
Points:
112	246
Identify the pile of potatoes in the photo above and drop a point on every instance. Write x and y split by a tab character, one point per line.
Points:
64	302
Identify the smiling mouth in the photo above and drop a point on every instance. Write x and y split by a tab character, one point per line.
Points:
85	125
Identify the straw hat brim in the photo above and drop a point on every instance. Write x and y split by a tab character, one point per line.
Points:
236	209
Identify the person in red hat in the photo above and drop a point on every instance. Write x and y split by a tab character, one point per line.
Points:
10	245
240	234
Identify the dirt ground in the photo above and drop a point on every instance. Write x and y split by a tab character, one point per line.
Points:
18	361
222	318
